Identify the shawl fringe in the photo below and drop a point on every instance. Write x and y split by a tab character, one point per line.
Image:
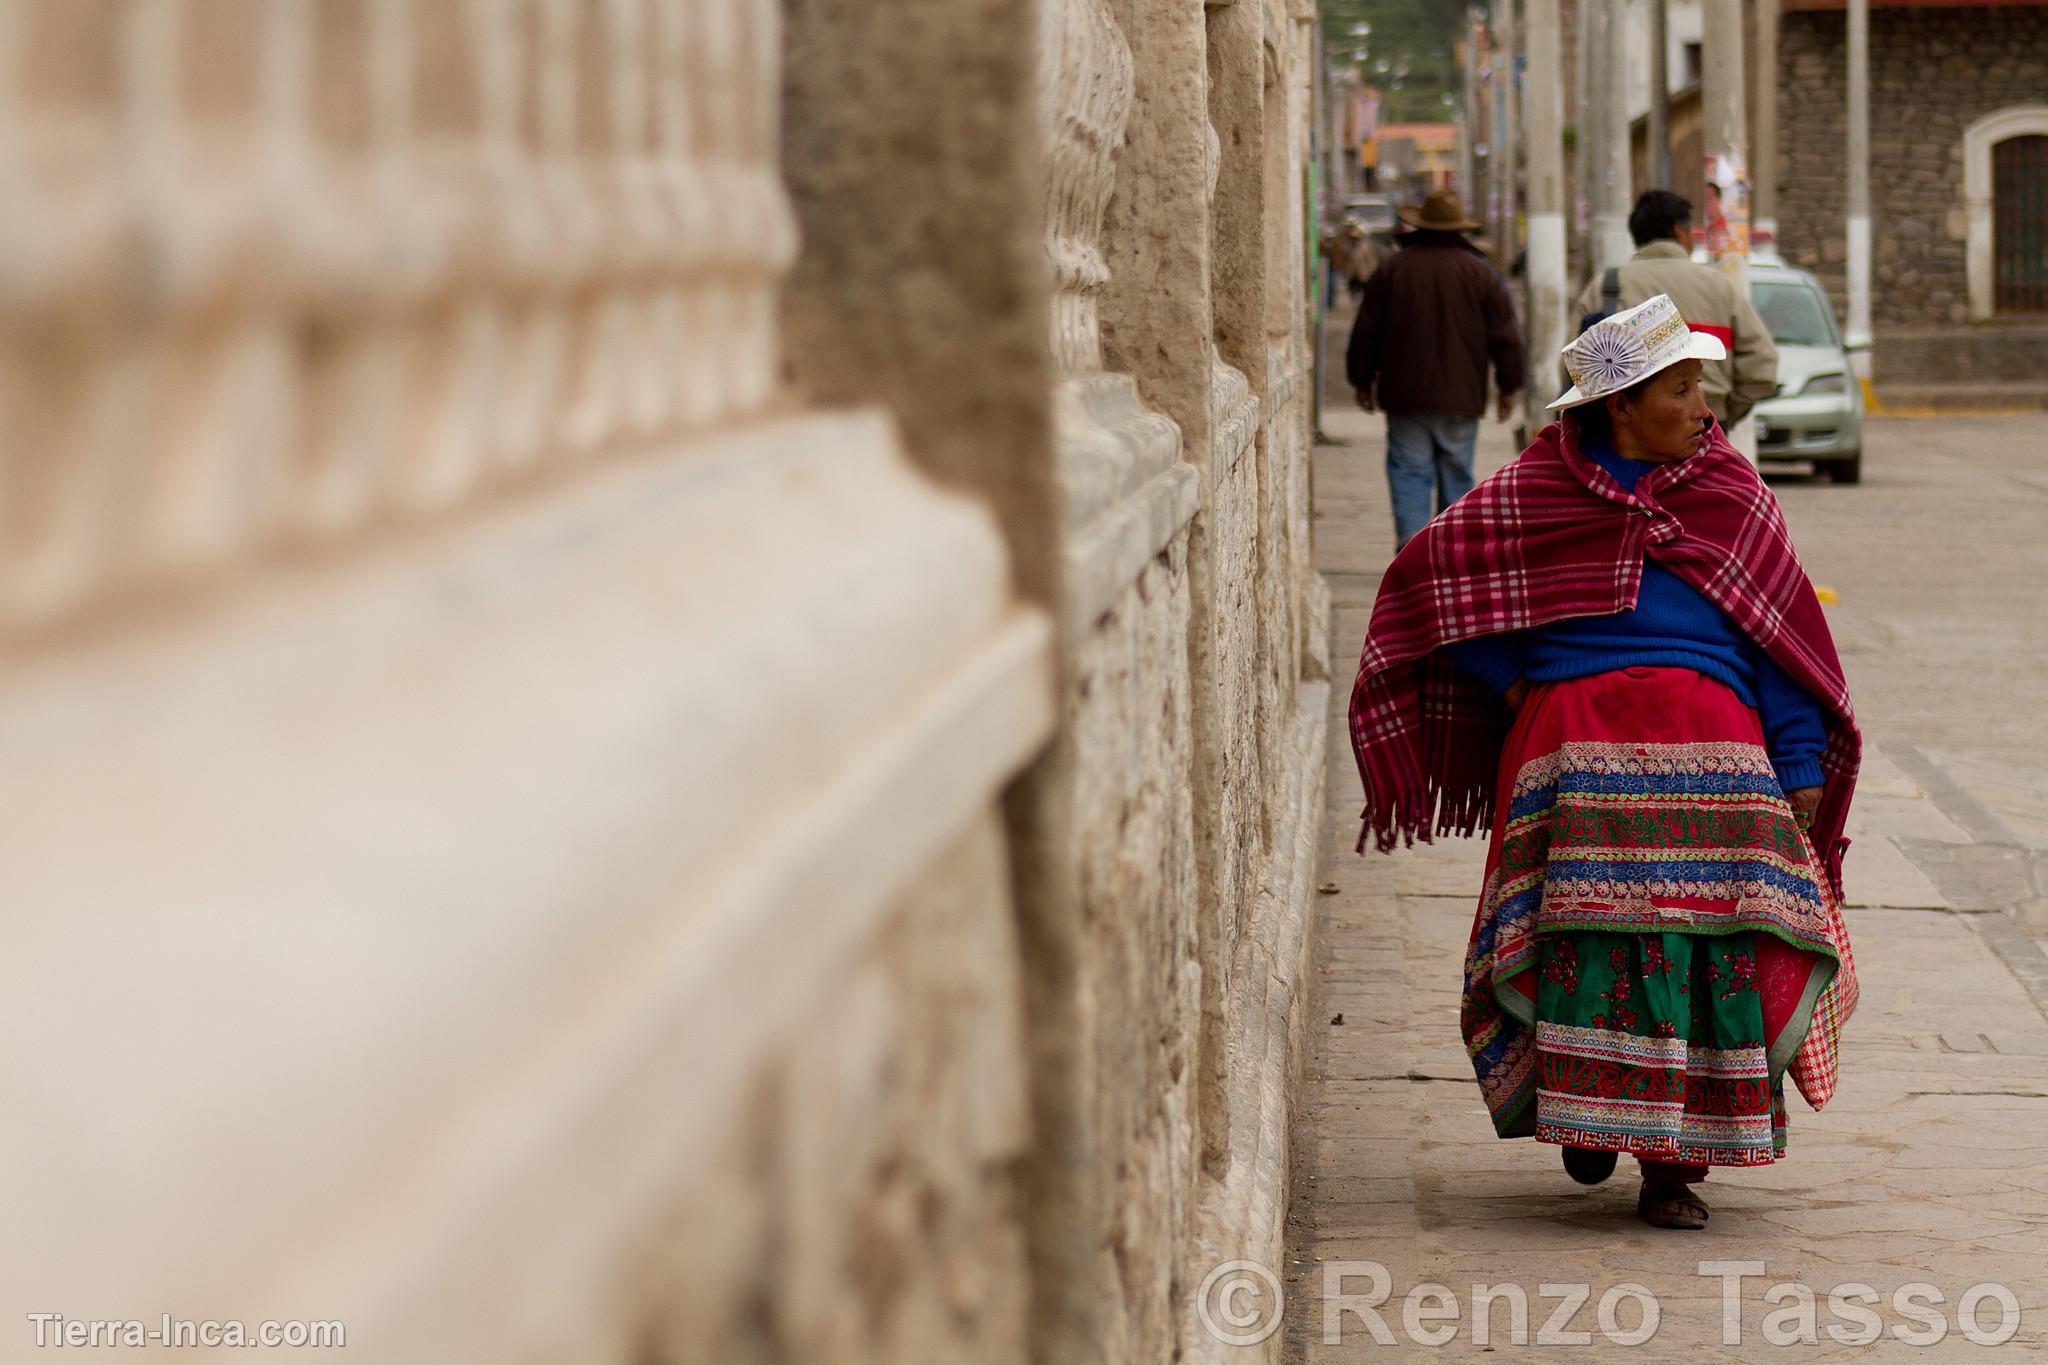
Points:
1452	789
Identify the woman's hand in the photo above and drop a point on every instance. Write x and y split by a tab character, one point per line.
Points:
1804	803
1518	691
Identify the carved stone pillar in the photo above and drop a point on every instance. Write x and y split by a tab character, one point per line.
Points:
495	786
1118	988
1263	736
1119	461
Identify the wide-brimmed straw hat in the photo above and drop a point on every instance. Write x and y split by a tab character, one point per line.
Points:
1442	211
1628	347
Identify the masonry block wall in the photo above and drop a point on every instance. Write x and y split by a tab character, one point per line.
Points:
660	693
1958	65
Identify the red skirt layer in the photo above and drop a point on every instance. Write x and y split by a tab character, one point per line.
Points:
1643	801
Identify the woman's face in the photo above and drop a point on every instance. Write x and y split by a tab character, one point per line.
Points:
1668	421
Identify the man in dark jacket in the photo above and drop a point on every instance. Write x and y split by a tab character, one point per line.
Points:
1431	318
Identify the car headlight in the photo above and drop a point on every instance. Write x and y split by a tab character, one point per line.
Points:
1827	383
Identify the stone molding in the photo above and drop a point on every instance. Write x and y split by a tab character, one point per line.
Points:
1086	87
1978	141
1233	409
1234	420
485	1138
1212	164
362	264
1128	492
1285	374
1119	461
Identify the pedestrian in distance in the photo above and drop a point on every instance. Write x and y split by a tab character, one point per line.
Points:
1661	225
1430	320
1359	255
1610	657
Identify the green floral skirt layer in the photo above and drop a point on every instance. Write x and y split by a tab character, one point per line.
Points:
1654	1044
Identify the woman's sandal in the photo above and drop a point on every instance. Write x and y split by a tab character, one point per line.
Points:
1588	1165
1671	1205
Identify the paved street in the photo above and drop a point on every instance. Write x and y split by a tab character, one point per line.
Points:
1928	1166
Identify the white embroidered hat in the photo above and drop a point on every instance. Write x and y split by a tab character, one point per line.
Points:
1628	347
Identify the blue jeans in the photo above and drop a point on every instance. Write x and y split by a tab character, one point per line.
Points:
1427	451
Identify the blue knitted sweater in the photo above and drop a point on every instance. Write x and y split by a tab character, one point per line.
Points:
1672	626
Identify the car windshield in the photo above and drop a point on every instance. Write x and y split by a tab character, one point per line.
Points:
1794	314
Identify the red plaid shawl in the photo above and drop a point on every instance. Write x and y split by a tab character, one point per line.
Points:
1553	536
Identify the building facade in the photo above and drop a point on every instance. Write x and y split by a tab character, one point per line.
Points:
1411	159
661	698
1959	167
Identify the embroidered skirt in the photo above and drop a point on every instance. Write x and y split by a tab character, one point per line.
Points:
1654	933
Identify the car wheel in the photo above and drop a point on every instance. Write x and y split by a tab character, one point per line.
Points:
1848	469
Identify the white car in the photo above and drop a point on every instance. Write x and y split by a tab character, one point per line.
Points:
1817	412
1373	212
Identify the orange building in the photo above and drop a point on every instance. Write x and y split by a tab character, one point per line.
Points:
1412	158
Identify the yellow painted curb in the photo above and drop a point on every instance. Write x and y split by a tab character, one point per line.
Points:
1949	412
1874	407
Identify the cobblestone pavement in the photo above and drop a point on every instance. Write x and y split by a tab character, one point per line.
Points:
1927	1168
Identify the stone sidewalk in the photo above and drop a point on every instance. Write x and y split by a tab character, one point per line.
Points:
1926	1169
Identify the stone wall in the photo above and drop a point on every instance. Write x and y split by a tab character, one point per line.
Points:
660	692
1688	147
1933	73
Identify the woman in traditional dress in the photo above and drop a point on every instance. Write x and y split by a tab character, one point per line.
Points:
1609	654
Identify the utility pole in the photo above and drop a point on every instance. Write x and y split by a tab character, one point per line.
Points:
1336	121
1508	152
1859	190
1485	105
1468	152
1543	116
1659	129
1587	15
1609	120
1766	139
1322	143
1721	99
1489	113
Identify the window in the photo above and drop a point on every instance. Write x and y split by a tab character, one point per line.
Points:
2007	246
2019	195
1793	314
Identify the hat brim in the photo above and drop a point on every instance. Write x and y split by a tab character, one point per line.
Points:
1698	346
1413	218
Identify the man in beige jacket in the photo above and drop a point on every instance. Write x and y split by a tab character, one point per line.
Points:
1662	227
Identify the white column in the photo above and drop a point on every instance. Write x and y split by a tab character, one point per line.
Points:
1659	128
1510	131
1470	125
1490	109
1543	115
1765	142
1859	188
1722	99
1607	124
1579	207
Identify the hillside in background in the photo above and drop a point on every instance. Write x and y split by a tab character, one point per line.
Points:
1408	54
